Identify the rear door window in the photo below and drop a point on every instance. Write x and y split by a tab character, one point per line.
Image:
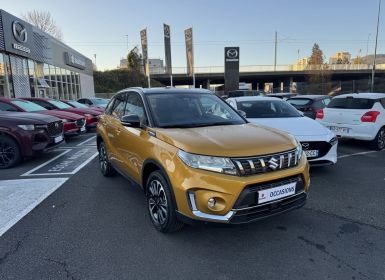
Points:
7	107
352	103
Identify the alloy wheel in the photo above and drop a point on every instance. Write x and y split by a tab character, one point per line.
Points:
103	159
157	202
7	154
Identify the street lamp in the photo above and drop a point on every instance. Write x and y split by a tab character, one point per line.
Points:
375	48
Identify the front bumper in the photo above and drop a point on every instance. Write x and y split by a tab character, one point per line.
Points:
193	188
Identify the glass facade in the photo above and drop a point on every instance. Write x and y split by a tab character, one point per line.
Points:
44	80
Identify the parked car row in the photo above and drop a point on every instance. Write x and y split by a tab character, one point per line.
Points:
32	125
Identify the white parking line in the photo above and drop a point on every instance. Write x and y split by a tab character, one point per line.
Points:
47	162
82	143
63	173
19	197
358	154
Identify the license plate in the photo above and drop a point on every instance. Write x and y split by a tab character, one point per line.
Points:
337	129
276	193
58	139
311	153
82	129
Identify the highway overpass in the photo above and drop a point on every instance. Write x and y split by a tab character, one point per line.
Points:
257	75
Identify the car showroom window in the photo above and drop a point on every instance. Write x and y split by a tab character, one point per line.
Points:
119	106
7	107
135	106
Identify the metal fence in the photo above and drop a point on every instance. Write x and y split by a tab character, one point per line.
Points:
272	68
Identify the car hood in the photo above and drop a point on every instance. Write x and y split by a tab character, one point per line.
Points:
82	111
229	140
301	127
25	118
62	114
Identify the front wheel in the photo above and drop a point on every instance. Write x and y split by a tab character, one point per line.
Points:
160	204
104	163
10	154
379	142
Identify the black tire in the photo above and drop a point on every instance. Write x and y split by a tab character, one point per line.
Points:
161	204
379	142
10	154
104	163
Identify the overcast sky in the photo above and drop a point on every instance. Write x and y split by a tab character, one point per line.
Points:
100	27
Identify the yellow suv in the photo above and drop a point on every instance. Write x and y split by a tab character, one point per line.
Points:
197	159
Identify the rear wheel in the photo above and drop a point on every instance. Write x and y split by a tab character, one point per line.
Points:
379	142
160	204
104	164
10	154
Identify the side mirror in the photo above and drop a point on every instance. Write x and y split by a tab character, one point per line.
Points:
130	121
242	113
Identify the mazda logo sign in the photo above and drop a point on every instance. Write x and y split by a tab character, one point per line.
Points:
232	53
19	32
305	146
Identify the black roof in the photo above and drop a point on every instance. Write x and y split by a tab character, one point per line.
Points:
310	96
160	90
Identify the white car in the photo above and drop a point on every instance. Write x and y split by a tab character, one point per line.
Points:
318	142
357	116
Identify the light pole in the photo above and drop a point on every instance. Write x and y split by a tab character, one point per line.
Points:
127	42
375	48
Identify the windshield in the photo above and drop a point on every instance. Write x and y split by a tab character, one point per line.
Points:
59	104
352	103
300	101
100	101
268	109
28	106
77	104
191	110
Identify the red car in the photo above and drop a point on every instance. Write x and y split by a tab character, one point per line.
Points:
74	124
25	134
89	114
75	104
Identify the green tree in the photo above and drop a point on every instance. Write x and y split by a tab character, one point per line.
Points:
319	78
134	60
317	56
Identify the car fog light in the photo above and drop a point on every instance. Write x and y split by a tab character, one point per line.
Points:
211	202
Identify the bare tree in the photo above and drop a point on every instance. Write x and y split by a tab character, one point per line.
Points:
44	21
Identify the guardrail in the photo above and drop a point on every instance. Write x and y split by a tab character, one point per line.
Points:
271	68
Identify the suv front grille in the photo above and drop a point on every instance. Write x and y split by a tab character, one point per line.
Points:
266	163
55	128
80	123
322	147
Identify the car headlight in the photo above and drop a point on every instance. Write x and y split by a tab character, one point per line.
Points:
299	150
27	126
209	163
333	141
65	120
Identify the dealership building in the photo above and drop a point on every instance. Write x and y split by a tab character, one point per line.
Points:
34	64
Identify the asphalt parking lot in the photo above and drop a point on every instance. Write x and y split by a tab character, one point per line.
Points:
91	227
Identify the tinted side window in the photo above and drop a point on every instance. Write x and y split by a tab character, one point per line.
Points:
119	106
7	107
81	101
326	101
44	104
109	107
135	106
